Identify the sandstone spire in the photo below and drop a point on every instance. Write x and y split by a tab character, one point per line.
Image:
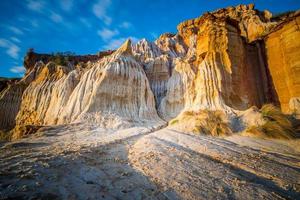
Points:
125	49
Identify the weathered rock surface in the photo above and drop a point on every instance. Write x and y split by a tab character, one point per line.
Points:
117	85
47	94
110	92
11	99
222	70
200	167
283	53
4	82
216	62
81	162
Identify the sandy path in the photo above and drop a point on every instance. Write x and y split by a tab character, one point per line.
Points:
76	162
63	164
200	167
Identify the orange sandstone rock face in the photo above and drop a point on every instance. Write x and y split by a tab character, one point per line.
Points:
230	72
283	55
252	23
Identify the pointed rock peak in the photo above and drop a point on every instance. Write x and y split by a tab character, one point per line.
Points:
144	40
126	48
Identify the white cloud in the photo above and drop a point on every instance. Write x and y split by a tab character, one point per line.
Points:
34	23
85	22
56	17
100	10
107	34
11	49
43	8
3	42
17	69
116	43
34	5
125	25
15	30
15	39
66	5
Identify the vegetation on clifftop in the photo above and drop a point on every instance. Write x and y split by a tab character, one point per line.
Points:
282	14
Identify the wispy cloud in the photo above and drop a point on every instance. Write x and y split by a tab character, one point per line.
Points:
85	22
107	34
11	49
66	5
15	30
36	6
15	39
34	23
45	9
100	9
116	43
125	25
56	17
17	69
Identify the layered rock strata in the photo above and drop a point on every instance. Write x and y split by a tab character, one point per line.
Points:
222	69
283	56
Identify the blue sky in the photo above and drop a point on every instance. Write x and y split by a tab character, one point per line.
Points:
89	26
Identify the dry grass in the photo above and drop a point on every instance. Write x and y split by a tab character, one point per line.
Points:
173	121
4	136
23	131
276	126
203	122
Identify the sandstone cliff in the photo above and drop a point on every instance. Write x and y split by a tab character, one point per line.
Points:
110	92
283	53
216	61
228	60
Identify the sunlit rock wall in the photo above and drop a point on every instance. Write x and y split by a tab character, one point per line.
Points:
283	55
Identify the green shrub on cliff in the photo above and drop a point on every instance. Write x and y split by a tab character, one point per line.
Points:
62	58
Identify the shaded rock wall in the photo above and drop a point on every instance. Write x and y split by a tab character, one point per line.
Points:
10	101
46	94
5	82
